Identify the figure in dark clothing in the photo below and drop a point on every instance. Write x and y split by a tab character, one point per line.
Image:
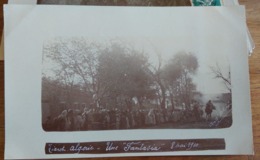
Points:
209	108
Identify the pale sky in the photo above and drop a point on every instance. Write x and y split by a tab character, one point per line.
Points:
168	47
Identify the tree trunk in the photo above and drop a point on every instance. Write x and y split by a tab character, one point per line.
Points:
172	102
163	95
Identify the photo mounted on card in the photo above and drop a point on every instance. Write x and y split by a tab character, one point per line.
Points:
131	81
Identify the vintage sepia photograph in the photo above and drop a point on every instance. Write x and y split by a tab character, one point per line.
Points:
132	83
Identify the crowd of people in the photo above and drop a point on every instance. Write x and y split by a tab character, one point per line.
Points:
104	119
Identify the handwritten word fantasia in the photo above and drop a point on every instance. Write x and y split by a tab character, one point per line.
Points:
139	146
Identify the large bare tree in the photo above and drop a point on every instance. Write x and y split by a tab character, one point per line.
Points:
74	62
222	75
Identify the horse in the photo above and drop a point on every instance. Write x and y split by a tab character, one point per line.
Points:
209	109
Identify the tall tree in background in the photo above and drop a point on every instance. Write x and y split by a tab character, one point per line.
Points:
75	62
156	74
225	77
122	73
114	74
177	75
110	73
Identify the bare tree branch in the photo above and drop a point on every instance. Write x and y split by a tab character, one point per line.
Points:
218	74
